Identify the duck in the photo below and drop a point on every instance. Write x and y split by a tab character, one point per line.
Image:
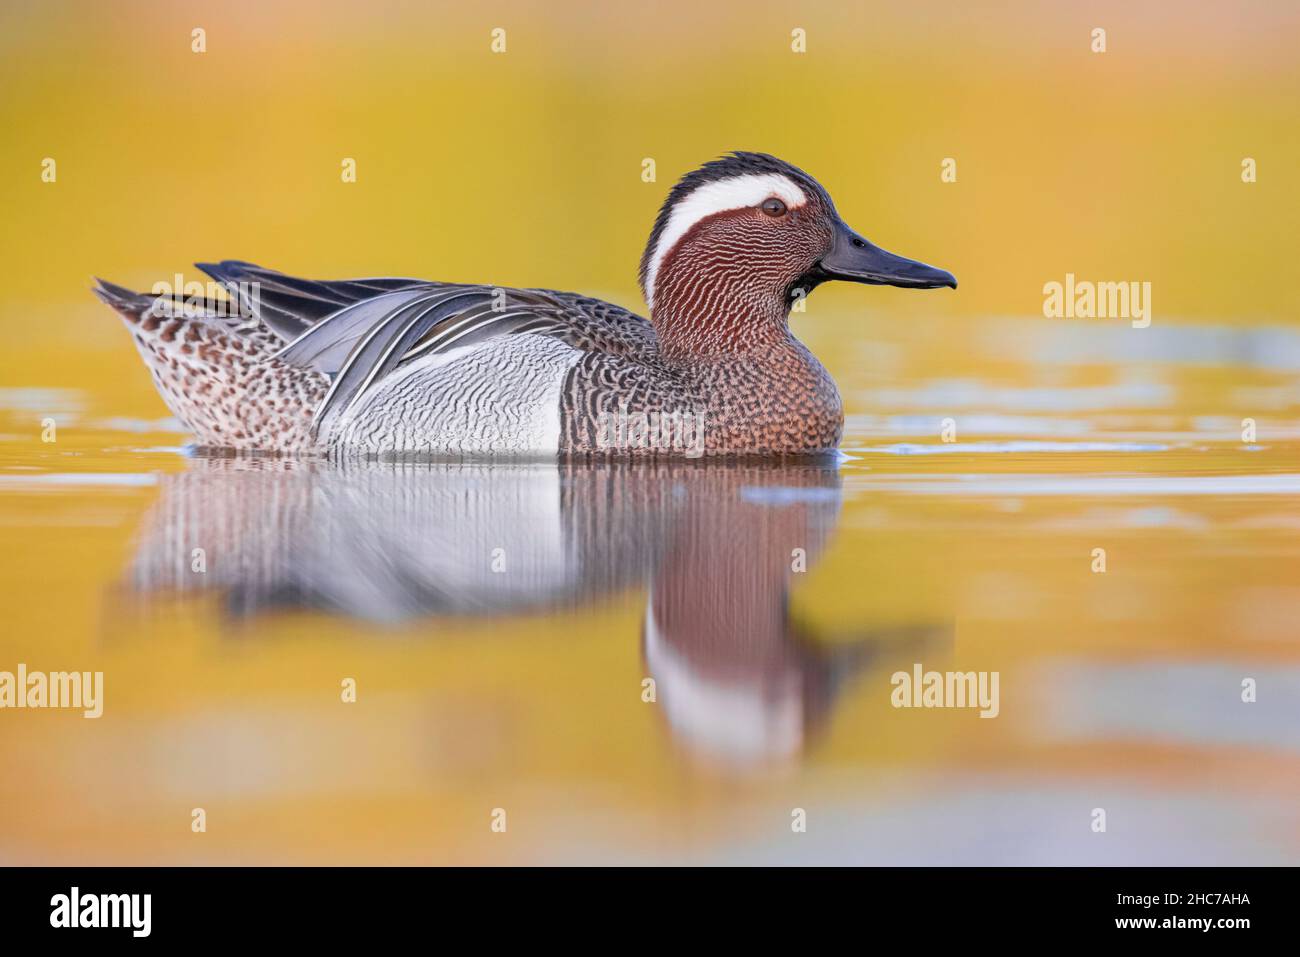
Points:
407	367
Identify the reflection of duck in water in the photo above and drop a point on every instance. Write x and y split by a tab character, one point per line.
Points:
740	680
717	548
388	543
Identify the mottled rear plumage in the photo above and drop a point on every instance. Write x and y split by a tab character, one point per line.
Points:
217	373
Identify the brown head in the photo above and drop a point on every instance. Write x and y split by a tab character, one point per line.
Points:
738	240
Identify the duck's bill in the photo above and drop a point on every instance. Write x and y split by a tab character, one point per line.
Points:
853	259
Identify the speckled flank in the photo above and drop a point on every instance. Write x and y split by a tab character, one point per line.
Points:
775	401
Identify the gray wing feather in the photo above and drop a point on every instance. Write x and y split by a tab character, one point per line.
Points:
390	342
370	352
360	345
288	305
325	346
484	322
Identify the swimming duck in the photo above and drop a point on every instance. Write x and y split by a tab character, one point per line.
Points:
406	366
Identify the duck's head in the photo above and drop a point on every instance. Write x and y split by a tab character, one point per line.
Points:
742	237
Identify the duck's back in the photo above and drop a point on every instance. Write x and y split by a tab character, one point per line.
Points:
397	366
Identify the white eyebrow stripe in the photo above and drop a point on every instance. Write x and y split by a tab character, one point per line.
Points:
735	192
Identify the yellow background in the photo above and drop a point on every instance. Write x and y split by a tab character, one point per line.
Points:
524	168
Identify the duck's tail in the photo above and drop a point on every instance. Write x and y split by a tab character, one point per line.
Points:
130	304
217	373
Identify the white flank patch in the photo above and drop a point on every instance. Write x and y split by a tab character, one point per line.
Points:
496	397
737	192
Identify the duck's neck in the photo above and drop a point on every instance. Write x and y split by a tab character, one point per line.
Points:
712	311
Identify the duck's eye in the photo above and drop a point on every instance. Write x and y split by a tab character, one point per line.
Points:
773	207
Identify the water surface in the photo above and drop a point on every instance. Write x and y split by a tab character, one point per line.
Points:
501	622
